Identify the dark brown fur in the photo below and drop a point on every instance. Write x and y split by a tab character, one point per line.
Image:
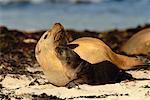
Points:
93	74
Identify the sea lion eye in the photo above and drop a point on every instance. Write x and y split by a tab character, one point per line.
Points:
67	58
45	36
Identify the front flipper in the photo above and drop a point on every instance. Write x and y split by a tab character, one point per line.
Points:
72	46
72	84
80	74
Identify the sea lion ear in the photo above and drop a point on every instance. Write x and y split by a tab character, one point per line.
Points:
72	46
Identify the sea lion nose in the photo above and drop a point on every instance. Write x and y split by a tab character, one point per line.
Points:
58	24
56	27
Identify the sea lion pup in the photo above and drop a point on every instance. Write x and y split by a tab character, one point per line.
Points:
138	43
91	50
80	71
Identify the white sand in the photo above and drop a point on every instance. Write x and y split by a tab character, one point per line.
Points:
18	85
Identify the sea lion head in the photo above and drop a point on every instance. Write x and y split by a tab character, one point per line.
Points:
67	56
52	38
55	35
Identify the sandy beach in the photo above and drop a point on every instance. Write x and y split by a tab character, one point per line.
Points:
21	77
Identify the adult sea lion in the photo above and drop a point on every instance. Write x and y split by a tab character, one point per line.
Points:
46	55
138	43
89	50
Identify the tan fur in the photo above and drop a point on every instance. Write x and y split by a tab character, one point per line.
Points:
90	49
94	50
46	56
138	43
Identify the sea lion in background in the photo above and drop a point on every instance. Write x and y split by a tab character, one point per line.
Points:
138	43
91	50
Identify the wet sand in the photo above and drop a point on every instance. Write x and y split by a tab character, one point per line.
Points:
21	77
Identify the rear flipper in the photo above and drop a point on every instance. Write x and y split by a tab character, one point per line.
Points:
72	84
145	66
140	67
